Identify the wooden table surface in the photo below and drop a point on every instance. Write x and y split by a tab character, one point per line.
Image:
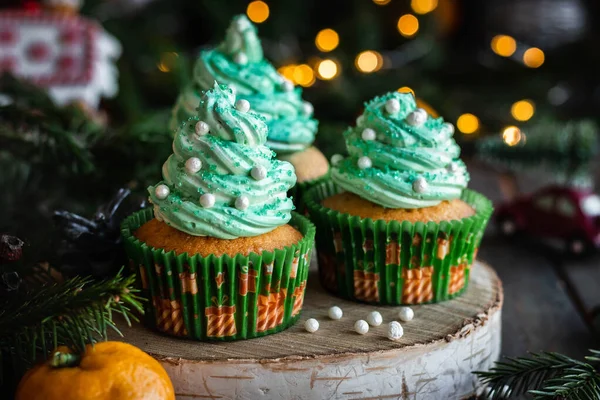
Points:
551	302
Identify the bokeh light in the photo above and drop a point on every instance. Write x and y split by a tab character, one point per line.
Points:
368	61
423	6
327	40
287	71
258	11
408	25
168	61
406	89
511	135
304	75
522	110
381	2
534	57
327	69
504	45
467	123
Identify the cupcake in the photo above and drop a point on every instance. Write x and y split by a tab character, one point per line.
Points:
220	255
240	63
397	224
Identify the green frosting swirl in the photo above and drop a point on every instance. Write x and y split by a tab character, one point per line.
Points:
234	146
239	62
408	160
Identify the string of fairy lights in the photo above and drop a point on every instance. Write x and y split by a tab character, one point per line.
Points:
327	68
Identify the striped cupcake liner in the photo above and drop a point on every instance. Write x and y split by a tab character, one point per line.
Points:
220	298
396	262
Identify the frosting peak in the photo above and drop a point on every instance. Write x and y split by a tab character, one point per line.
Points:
221	180
400	157
239	62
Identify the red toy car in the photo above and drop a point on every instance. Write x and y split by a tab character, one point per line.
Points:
572	215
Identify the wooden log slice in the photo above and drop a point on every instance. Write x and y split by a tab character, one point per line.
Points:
434	359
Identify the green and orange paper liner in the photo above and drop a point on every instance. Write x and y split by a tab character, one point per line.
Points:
221	298
395	262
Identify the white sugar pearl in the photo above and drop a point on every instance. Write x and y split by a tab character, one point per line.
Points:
335	313
364	162
242	105
242	203
240	58
417	117
392	106
162	192
336	159
287	85
201	128
395	330
368	134
420	185
311	325
449	128
307	109
207	200
360	120
406	314
374	318
361	327
193	165
258	172
452	167
242	23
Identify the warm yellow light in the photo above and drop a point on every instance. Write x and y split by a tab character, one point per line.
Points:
163	67
423	6
467	123
258	11
523	110
511	135
287	71
168	61
406	89
327	69
534	57
327	40
381	2
425	106
368	61
504	45
304	75
408	25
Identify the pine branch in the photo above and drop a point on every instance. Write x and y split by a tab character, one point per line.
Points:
72	313
544	375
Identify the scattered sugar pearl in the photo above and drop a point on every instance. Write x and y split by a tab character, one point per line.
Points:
336	159
201	128
392	106
395	330
287	85
420	185
307	109
368	134
417	117
240	58
335	313
193	165
242	203
162	192
452	167
258	172
360	120
361	327
207	200
374	318
364	162
311	325
449	127
406	314
242	105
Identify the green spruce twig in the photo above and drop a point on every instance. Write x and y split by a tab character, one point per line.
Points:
73	313
545	376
